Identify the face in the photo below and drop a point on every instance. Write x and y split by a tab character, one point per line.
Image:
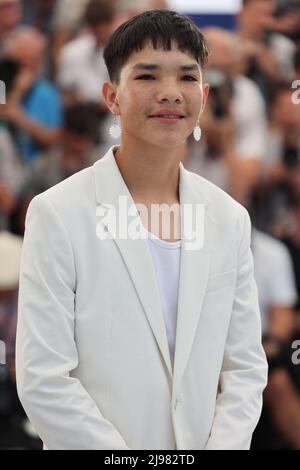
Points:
10	13
158	81
259	14
224	55
28	49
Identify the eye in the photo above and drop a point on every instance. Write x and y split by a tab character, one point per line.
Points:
189	78
145	77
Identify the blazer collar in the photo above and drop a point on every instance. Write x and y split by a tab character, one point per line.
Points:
110	184
195	263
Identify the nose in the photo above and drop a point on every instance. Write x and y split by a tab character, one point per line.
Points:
169	94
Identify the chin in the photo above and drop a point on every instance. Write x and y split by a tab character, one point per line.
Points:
168	140
168	144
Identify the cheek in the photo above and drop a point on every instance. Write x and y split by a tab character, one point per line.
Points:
195	103
142	98
137	104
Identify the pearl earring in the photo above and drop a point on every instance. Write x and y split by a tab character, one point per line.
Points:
197	133
115	129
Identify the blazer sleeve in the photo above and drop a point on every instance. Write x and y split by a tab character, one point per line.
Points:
58	406
243	375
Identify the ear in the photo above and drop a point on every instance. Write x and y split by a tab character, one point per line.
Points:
205	95
109	93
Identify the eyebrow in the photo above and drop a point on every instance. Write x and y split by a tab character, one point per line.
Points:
183	68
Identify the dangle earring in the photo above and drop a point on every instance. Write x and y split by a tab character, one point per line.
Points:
115	129
197	133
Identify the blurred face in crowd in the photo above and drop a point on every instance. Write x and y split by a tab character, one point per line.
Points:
224	50
153	80
285	112
10	14
28	48
257	16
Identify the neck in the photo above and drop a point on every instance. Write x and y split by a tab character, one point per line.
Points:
151	173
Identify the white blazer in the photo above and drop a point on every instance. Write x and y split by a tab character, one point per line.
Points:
93	364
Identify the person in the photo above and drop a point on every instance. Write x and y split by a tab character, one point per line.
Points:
277	292
137	331
12	177
76	152
278	427
280	178
234	123
34	106
267	56
10	252
80	62
10	249
10	19
15	429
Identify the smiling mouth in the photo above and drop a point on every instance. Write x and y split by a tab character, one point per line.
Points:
177	116
168	119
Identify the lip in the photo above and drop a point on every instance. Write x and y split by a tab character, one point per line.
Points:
167	120
170	112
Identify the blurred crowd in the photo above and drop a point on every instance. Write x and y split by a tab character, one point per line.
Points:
54	123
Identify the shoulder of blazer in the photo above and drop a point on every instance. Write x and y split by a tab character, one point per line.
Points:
76	190
221	204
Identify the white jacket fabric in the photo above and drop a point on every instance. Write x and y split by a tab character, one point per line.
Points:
93	364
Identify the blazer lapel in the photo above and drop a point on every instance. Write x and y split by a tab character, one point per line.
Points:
195	267
113	196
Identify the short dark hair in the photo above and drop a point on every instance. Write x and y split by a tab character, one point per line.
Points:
161	27
99	12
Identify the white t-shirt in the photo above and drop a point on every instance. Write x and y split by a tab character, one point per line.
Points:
274	274
69	14
166	258
12	173
82	68
284	50
249	112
